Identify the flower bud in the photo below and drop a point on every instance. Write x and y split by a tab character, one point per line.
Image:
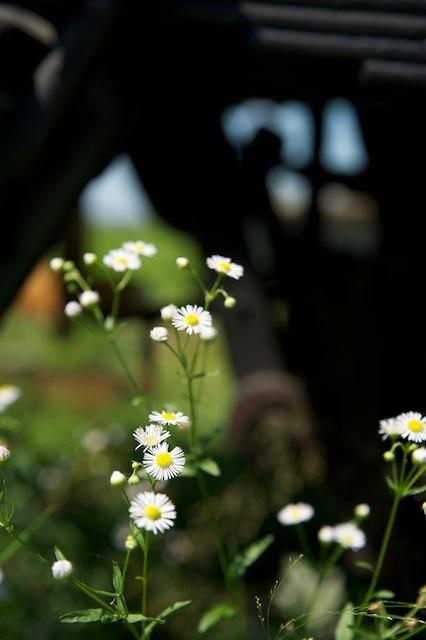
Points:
230	302
68	265
412	447
117	479
130	543
133	480
89	298
362	510
168	312
159	334
61	569
424	508
89	258
136	465
182	263
56	264
73	309
389	456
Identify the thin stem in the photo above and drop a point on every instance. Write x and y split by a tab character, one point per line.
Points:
144	583
303	540
382	552
134	385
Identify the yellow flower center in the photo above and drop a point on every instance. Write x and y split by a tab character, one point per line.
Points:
163	459
151	440
152	512
295	513
5	387
347	539
192	319
224	266
168	416
415	426
121	260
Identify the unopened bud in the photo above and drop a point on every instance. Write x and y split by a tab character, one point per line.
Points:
56	264
389	456
68	265
133	480
89	298
168	312
424	508
73	309
362	510
182	263
130	543
89	258
230	302
117	479
71	276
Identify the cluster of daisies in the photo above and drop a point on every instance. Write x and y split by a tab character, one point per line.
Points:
346	534
152	511
9	394
125	259
410	426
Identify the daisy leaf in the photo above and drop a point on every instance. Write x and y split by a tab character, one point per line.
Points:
209	466
166	612
362	564
88	615
244	560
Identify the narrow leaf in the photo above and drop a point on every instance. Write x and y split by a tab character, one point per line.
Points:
88	615
391	484
209	466
117	578
416	490
58	554
362	564
166	612
343	629
133	618
214	615
249	556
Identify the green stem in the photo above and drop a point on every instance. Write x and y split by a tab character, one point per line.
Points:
145	583
385	543
134	385
303	540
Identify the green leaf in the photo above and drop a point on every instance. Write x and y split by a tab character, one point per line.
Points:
133	618
58	554
385	594
209	466
362	564
391	484
343	629
88	615
416	490
198	375
166	612
214	615
117	578
249	556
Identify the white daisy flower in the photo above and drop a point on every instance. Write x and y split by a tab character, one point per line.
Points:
174	418
73	309
8	395
412	425
191	319
224	265
152	511
89	298
150	436
121	260
140	248
389	428
295	513
159	334
349	536
61	569
163	464
419	456
4	453
326	534
168	312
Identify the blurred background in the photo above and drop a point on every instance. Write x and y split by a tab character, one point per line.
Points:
287	135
